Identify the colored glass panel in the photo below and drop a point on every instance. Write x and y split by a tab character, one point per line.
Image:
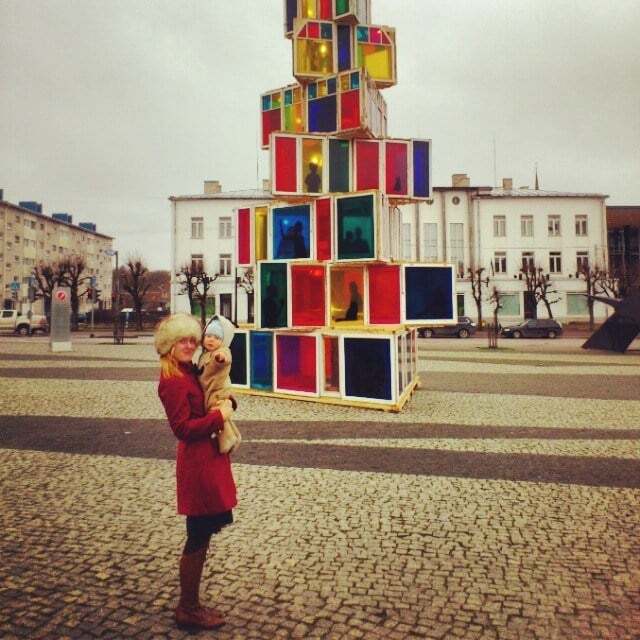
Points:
362	33
326	31
323	117
292	13
308	9
375	35
377	60
266	103
270	122
288	97
384	294
238	347
312	90
368	165
291	232
421	186
244	236
323	229
331	85
350	110
273	295
342	7
367	368
339	165
260	232
331	363
344	48
297	94
325	10
312	165
285	161
261	346
355	227
314	57
296	363
275	101
399	364
344	82
308	296
347	291
294	118
322	88
429	293
397	171
314	29
355	80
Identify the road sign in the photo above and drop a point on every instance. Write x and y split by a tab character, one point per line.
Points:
61	295
15	286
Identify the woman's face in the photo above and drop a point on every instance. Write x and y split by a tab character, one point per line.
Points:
184	349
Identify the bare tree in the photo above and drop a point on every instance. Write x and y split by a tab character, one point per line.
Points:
246	282
197	284
539	284
136	283
74	267
477	284
593	278
494	331
47	276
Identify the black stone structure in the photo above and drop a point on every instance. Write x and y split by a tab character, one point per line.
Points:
620	330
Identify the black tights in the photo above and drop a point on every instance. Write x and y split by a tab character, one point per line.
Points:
201	528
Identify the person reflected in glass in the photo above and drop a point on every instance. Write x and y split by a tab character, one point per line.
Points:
360	245
292	244
355	303
271	307
313	180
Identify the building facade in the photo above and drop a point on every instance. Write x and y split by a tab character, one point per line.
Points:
28	237
623	225
470	226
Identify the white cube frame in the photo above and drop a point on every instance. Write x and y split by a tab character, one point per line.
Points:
403	297
319	372
247	360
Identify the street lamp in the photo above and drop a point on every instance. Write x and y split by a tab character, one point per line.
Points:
116	297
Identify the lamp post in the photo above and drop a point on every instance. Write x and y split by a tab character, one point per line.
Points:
116	298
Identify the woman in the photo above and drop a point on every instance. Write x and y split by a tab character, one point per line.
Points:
205	486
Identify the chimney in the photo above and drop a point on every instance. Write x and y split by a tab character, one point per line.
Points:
460	180
212	186
507	184
266	185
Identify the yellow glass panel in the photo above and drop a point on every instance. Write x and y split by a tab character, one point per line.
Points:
347	286
322	88
314	57
344	82
261	233
297	94
377	60
308	9
312	165
298	118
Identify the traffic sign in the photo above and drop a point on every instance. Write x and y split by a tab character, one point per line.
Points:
15	286
61	295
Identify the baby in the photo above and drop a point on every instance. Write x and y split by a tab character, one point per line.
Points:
214	365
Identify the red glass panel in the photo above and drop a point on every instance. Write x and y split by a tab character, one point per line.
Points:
285	179
314	30
244	236
350	110
367	159
397	168
375	35
326	12
331	363
303	32
270	122
384	294
308	296
296	363
323	229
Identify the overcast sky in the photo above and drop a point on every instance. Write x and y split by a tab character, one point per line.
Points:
108	107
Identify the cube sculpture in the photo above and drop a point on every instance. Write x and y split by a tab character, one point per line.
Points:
336	308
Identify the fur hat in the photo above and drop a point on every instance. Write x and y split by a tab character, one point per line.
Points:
174	328
220	327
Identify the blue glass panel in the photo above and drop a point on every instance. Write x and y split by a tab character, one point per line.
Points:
262	360
429	293
292	12
331	85
355	80
421	169
323	115
266	103
326	31
363	34
344	48
367	368
291	232
312	91
238	348
288	97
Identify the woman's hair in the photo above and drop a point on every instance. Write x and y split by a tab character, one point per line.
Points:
169	367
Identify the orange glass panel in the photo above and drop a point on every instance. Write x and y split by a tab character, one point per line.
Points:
314	57
347	294
312	161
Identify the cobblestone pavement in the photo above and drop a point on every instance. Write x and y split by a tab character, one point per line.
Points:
503	503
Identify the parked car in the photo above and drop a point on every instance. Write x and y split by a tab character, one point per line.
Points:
533	329
463	329
11	320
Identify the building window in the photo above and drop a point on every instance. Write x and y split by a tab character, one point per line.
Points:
526	226
577	304
197	262
499	226
555	262
582	261
581	225
197	228
553	225
406	241
528	261
225	264
430	242
225	228
500	262
456	239
510	304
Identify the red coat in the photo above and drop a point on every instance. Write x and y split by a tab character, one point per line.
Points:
205	485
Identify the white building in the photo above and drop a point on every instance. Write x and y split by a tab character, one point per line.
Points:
498	229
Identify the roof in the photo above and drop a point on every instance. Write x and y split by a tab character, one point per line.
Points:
242	194
536	193
623	215
50	219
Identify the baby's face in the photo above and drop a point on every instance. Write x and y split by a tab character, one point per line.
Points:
211	343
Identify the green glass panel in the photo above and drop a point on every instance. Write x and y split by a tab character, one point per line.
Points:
342	7
363	34
338	166
356	238
288	97
288	119
273	293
